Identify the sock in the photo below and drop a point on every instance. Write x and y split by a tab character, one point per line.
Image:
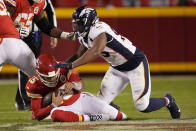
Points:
155	104
119	116
86	118
66	116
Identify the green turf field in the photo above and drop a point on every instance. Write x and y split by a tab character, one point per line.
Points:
183	88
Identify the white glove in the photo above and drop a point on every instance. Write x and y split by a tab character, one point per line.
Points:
24	32
69	36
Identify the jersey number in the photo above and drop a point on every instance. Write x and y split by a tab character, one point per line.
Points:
24	19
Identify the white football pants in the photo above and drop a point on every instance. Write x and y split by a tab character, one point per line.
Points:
16	52
89	104
115	81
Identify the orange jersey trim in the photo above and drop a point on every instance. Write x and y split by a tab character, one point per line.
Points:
1	40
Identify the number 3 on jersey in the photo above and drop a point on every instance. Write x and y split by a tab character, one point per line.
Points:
3	10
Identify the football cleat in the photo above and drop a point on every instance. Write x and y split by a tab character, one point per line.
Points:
173	107
98	117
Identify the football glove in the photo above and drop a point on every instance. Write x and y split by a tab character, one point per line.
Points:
64	65
24	32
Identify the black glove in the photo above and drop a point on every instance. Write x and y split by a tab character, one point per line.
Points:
64	65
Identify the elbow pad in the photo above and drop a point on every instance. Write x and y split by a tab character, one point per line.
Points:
45	26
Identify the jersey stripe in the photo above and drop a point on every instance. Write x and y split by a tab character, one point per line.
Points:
13	3
118	47
146	78
34	95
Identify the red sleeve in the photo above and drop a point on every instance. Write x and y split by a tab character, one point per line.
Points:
39	7
12	3
73	77
38	112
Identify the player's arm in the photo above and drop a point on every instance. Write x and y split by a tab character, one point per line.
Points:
49	29
38	112
10	8
81	50
91	54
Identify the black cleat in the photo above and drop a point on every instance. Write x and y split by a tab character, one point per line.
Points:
173	107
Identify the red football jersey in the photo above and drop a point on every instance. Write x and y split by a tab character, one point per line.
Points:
24	12
36	89
7	28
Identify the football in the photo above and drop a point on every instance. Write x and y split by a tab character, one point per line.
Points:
47	99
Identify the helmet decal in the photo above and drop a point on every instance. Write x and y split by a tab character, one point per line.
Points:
82	19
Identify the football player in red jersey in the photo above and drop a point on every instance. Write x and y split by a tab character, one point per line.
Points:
72	106
12	49
23	13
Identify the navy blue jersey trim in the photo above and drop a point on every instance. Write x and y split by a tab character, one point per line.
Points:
132	63
118	47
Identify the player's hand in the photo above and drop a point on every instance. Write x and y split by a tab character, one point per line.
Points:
73	36
69	36
24	32
64	65
57	98
53	42
68	87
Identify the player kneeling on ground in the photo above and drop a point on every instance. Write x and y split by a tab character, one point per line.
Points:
61	89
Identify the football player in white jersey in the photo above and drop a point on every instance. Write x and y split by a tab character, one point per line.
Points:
128	64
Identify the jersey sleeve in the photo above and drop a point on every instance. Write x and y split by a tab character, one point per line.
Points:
73	76
96	30
31	88
39	7
11	2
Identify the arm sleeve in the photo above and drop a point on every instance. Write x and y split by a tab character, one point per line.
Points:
11	3
51	13
97	30
39	113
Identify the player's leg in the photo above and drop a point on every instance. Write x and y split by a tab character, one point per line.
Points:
70	113
20	55
3	56
141	89
99	109
23	102
112	84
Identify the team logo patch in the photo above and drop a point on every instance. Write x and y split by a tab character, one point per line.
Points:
62	78
36	10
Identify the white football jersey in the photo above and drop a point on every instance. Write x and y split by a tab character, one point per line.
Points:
118	51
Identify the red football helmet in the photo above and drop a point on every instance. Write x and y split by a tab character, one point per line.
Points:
45	69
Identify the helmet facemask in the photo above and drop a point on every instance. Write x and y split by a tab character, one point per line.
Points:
51	79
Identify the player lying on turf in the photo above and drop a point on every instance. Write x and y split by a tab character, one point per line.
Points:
68	103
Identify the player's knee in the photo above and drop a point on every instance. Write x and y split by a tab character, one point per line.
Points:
141	105
64	116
